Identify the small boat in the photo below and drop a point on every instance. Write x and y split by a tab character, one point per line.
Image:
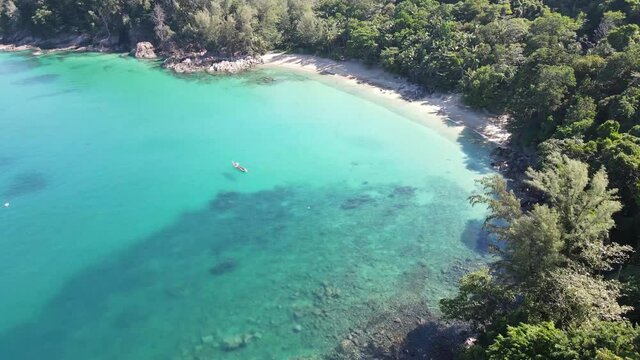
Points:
239	167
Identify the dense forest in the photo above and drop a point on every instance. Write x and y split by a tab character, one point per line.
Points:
566	71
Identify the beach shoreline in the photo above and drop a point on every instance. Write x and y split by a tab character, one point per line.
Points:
377	83
371	81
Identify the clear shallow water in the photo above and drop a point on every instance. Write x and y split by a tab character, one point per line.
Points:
129	235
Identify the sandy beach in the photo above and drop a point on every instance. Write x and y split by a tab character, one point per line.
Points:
395	90
380	86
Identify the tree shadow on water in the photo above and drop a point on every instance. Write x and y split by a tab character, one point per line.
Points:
478	152
432	341
475	237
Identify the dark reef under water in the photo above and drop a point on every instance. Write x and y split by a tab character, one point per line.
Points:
252	275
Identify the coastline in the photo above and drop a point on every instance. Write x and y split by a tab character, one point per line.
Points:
382	85
371	81
397	91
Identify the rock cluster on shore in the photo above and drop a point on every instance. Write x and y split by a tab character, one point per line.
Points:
195	63
403	331
145	50
179	62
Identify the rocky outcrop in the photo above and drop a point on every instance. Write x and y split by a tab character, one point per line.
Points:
404	331
13	47
178	61
210	64
60	43
145	50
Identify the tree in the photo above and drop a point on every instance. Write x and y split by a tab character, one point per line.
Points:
484	88
552	257
579	118
623	36
572	297
586	207
621	154
526	342
600	340
552	30
610	19
626	107
162	30
363	40
480	300
549	85
8	15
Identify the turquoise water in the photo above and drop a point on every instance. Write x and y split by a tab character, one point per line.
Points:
130	236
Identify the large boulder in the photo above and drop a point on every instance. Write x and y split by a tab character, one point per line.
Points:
145	50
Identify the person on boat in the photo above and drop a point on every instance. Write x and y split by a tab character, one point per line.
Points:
239	167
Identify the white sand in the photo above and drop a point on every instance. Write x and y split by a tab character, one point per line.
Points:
391	89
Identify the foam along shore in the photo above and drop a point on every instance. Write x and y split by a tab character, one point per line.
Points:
376	81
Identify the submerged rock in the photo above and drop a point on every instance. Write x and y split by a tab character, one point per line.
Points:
223	267
356	202
233	343
404	190
207	339
239	341
145	50
346	345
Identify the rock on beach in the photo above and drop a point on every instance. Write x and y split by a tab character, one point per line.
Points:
145	50
210	64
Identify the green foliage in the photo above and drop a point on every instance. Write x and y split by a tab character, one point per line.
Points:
9	15
571	228
579	118
600	340
621	154
545	84
526	342
585	207
594	340
363	40
485	88
480	300
609	130
626	107
43	17
623	36
571	297
552	262
553	30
